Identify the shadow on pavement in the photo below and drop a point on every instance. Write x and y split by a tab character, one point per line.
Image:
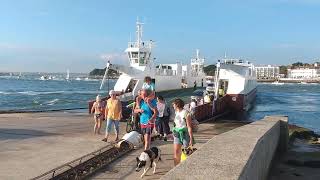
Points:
7	134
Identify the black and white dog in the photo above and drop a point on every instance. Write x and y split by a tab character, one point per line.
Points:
148	158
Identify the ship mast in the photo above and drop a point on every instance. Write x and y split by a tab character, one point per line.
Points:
197	64
139	52
139	33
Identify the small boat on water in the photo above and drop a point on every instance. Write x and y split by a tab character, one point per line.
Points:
20	75
68	75
302	82
45	77
277	83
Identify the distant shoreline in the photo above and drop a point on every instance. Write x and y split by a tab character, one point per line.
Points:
287	81
39	111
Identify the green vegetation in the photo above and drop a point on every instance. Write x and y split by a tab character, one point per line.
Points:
283	70
300	64
297	64
210	70
100	72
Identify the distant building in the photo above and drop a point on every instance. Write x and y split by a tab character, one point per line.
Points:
303	73
267	72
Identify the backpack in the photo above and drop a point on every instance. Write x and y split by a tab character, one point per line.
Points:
194	123
167	111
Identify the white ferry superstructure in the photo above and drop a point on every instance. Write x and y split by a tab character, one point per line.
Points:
165	76
237	79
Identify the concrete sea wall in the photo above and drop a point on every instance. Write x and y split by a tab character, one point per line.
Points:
243	153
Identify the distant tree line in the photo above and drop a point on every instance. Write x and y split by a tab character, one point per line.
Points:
284	69
100	72
210	70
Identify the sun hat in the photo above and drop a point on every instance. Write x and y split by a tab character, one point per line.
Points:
98	98
112	92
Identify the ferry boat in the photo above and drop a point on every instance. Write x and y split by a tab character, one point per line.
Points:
233	86
165	76
236	82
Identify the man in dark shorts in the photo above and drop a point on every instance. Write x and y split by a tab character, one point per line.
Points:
147	118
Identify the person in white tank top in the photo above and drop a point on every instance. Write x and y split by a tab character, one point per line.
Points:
182	131
180	119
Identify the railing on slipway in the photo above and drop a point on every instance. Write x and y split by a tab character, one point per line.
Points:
207	111
87	165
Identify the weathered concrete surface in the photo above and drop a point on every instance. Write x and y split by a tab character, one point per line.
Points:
302	160
242	153
284	132
124	168
34	143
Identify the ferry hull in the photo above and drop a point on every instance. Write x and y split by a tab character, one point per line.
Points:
241	102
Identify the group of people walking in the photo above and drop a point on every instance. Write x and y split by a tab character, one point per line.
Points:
153	114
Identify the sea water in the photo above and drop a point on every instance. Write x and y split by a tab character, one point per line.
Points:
30	93
301	102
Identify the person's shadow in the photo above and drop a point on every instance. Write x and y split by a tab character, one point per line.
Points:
7	133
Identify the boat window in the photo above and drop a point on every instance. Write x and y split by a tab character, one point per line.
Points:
169	67
142	58
134	54
131	85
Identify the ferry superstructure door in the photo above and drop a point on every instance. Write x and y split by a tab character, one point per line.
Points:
223	87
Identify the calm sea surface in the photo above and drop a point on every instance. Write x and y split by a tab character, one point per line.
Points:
301	102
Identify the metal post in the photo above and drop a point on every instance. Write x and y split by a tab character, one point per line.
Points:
108	81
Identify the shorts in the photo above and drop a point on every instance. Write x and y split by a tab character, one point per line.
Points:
186	139
109	125
98	116
146	129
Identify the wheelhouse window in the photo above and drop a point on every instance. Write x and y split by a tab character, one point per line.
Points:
134	54
142	58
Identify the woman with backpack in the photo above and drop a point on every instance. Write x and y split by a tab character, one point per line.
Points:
182	131
164	116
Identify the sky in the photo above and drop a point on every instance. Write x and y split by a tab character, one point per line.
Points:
56	35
